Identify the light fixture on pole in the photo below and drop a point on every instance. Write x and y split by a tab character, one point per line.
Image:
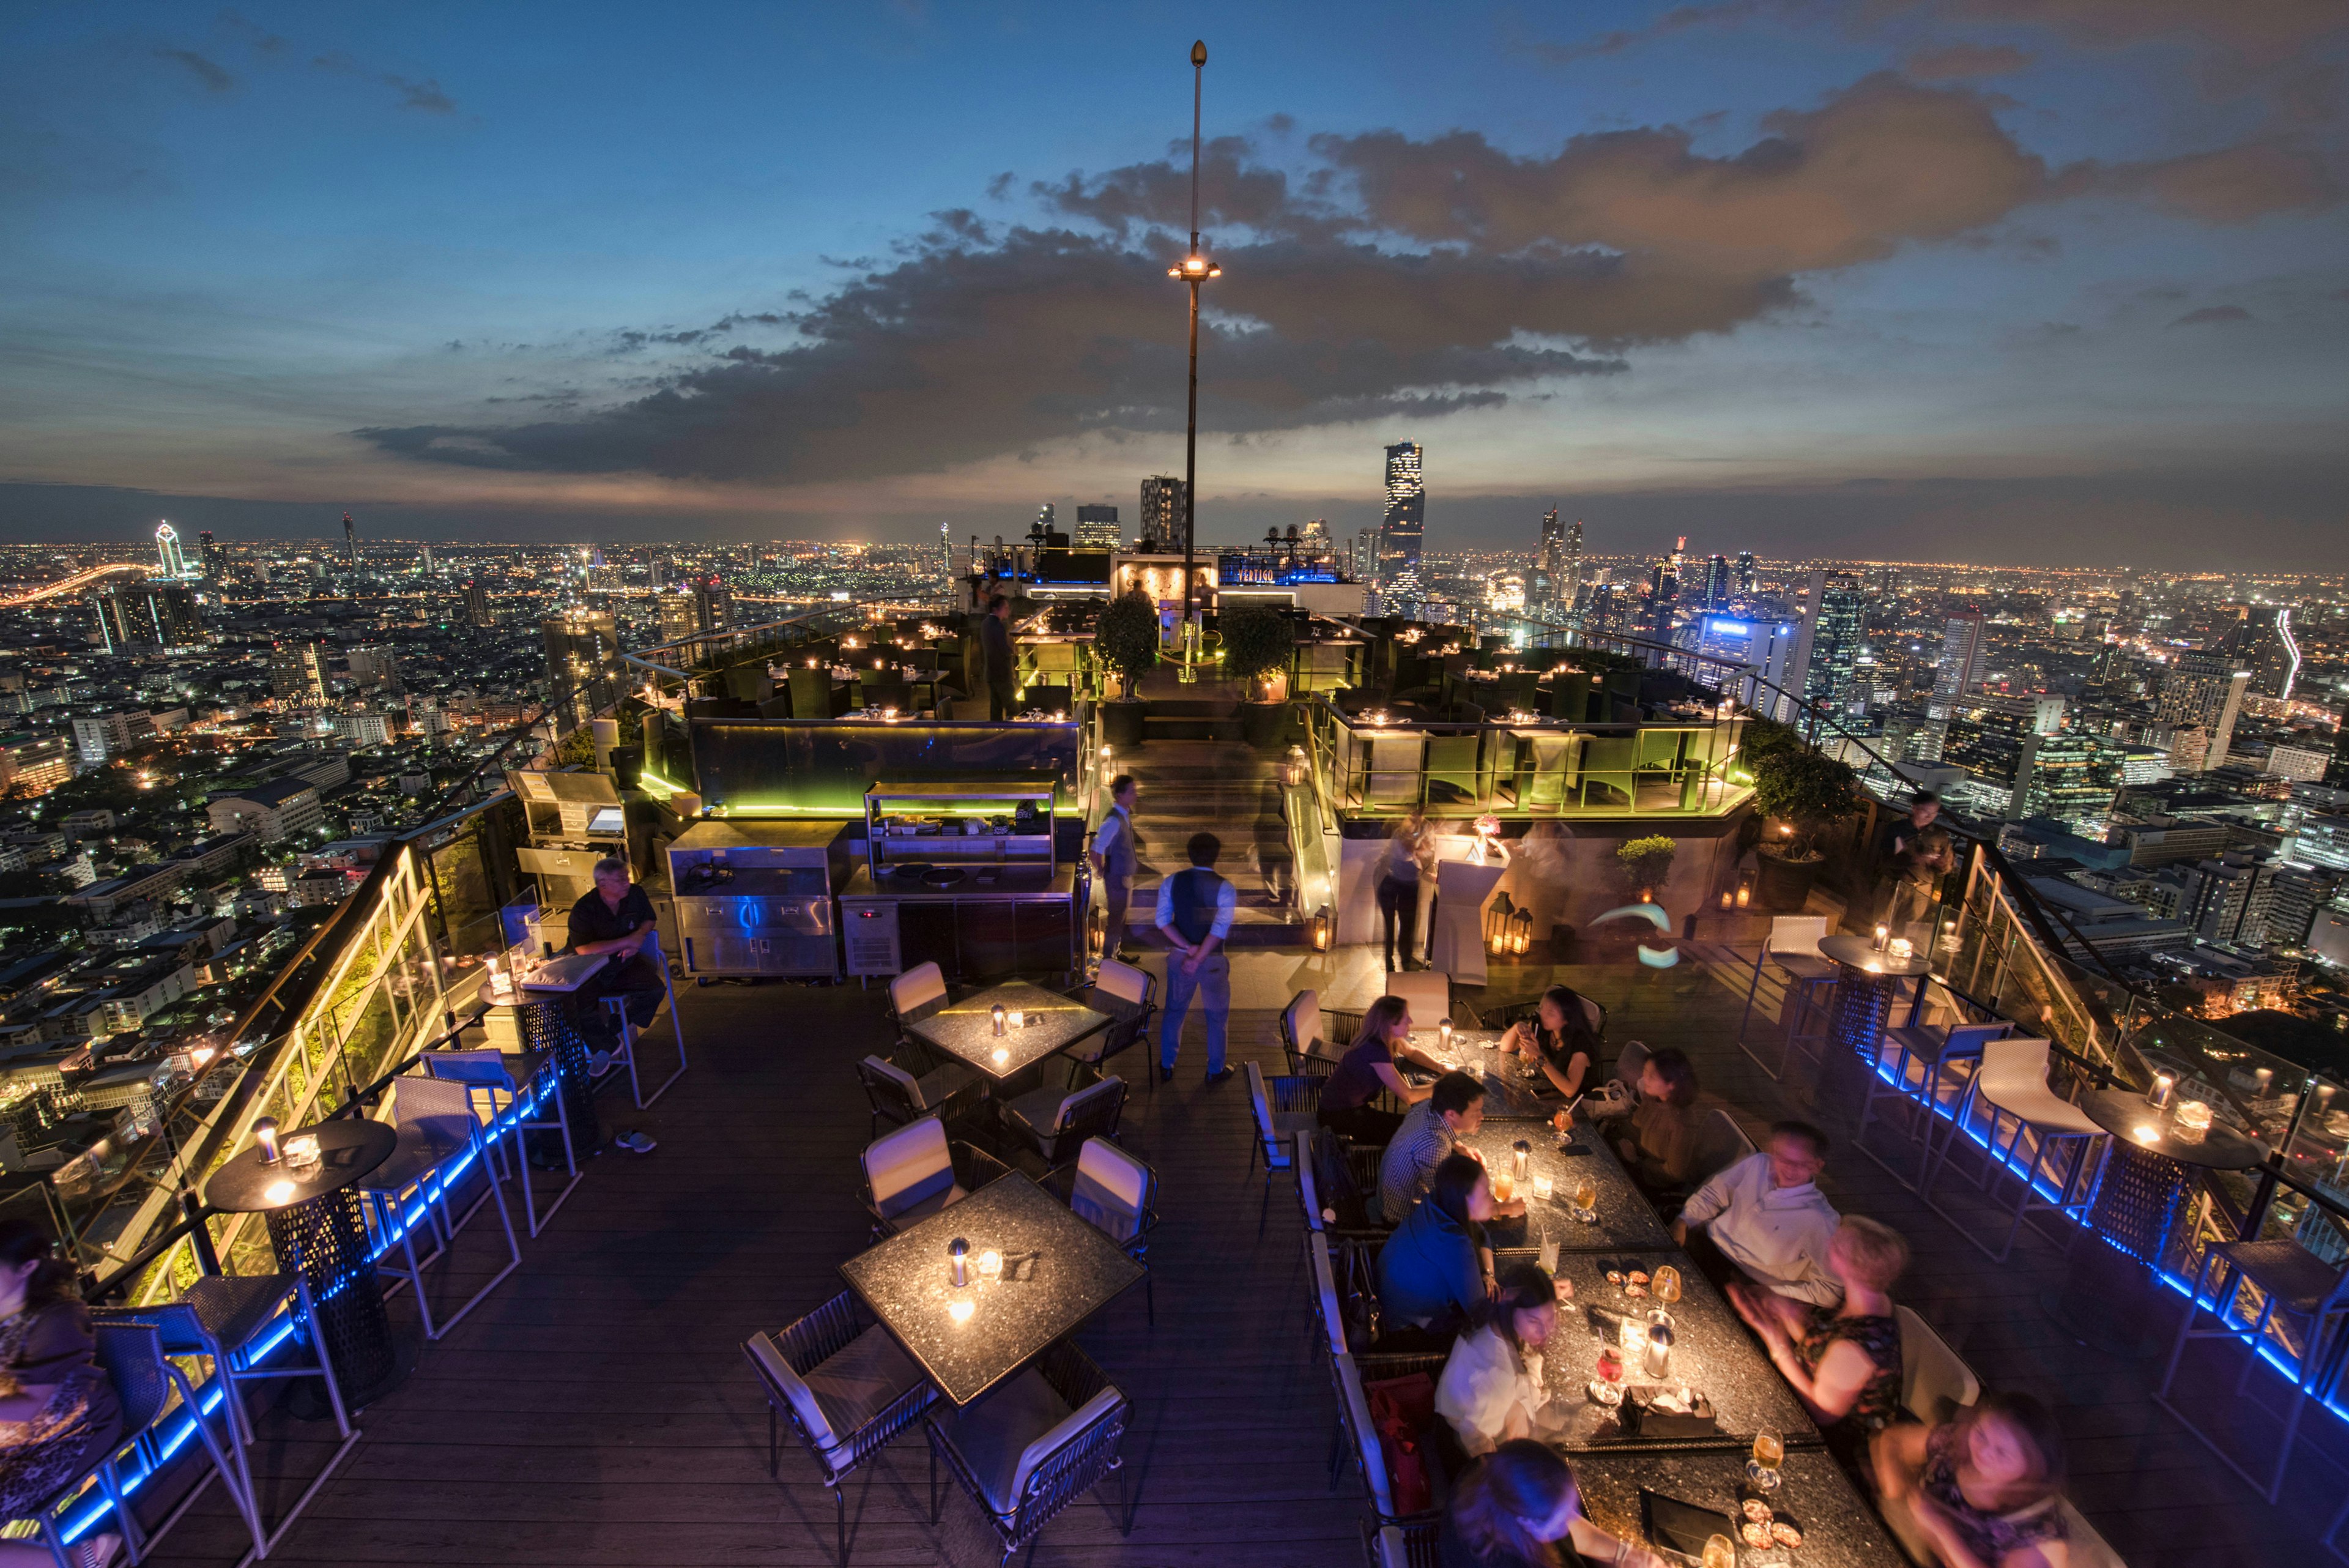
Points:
1194	269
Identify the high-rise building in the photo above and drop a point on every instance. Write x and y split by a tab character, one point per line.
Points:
1162	511
1718	591
675	610
373	664
208	555
713	607
1995	738
142	617
2294	897
657	571
1957	671
1046	524
1767	646
1743	574
1097	528
477	603
172	564
1550	568
582	661
2265	645
2336	771
1313	542
297	673
1836	620
428	560
2205	689
351	541
2070	776
1402	528
1663	593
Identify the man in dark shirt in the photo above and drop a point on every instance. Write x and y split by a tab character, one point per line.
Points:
995	640
616	919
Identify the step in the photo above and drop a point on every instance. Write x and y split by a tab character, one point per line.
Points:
1192	707
1157	729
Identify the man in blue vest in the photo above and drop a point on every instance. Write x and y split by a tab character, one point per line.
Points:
1195	915
1112	858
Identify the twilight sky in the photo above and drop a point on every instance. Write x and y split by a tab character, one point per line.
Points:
2009	280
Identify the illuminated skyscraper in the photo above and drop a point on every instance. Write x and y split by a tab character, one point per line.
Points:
173	564
1402	528
1550	568
477	604
2205	690
1835	622
1097	528
1162	510
1959	669
208	555
1742	574
351	541
139	616
582	661
1569	586
2265	645
1717	591
297	673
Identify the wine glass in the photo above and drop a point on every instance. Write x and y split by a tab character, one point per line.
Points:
1667	1285
1586	1197
1720	1551
1769	1452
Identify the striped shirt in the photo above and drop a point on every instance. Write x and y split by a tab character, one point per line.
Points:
1408	1167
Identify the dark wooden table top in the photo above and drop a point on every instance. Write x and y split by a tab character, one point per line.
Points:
349	1148
905	1282
1626	1220
965	1029
1713	1352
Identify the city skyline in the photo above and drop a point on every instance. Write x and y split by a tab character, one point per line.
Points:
1619	271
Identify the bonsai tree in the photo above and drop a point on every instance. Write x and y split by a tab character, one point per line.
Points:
1126	637
1257	642
1645	862
1805	790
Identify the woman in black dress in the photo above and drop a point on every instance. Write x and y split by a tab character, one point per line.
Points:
58	1411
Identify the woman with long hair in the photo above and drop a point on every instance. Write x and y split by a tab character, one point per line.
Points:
1491	1389
1435	1269
1557	1039
1367	1068
58	1411
1843	1362
1661	1147
1519	1507
1411	855
1983	1489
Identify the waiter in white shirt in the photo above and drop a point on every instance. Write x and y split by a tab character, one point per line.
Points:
1766	1215
1113	855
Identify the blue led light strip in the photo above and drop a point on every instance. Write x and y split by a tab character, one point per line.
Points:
179	1428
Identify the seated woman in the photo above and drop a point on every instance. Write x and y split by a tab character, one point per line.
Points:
1843	1362
57	1410
1661	1146
1519	1507
1367	1068
1559	1039
1981	1490
1491	1390
1435	1269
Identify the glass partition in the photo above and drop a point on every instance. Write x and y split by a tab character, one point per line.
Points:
781	767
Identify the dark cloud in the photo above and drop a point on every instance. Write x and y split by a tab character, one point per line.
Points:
2210	313
1960	62
425	96
2233	185
209	74
1233	190
2262	29
1680	20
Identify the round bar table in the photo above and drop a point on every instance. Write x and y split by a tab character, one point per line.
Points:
315	1227
1867	983
2146	1179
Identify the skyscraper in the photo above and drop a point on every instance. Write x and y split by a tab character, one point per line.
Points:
477	604
1569	587
1550	568
171	564
1313	540
208	555
351	541
2265	645
2205	690
713	606
1959	669
297	674
1047	521
1744	574
1717	591
1097	528
1162	510
139	616
428	560
582	661
1663	593
1402	527
1835	621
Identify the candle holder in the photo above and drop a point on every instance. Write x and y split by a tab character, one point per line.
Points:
2193	1121
2165	1084
1883	938
1544	1187
958	1263
991	1264
1658	1363
1444	1035
265	1135
1521	1154
997	1014
302	1154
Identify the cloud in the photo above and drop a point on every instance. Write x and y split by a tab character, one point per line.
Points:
2210	313
1680	20
2266	30
211	76
2231	185
425	96
1958	62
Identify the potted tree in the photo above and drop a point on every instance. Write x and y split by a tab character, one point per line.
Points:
1646	864
1125	641
1801	793
1258	646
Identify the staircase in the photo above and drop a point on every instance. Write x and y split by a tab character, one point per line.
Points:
1196	776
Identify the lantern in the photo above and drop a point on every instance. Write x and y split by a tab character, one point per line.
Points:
1728	899
1321	930
1496	925
1744	893
1292	771
1521	933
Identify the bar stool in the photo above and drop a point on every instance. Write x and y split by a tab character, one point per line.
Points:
1792	948
2012	1080
623	1053
488	1075
1928	1047
2291	1279
439	1137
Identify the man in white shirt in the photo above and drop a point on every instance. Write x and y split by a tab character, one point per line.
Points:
1113	858
1767	1217
1195	915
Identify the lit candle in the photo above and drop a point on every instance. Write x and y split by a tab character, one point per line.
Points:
264	1133
279	1192
1883	937
1015	1019
1903	948
1727	898
2193	1120
1444	1035
1543	1187
999	1055
1744	897
991	1264
1521	1154
961	1311
958	1263
2163	1085
996	1014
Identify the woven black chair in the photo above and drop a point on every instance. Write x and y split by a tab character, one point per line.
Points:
1283	1107
912	1173
896	1094
1117	1195
1129	996
1034	1445
1052	1124
846	1387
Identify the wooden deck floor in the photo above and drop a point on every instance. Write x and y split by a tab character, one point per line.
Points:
596	1408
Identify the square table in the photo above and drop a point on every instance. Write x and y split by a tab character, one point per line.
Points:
903	1282
1839	1530
1626	1220
1506	1093
1713	1352
965	1030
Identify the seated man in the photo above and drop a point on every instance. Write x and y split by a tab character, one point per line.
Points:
615	919
1453	1110
1764	1216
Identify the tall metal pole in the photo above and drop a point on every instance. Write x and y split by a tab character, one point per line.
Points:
1194	276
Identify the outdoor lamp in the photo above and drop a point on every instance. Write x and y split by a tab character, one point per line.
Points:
1497	926
264	1133
1321	930
1521	933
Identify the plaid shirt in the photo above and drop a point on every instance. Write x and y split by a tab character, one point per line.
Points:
1409	1165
